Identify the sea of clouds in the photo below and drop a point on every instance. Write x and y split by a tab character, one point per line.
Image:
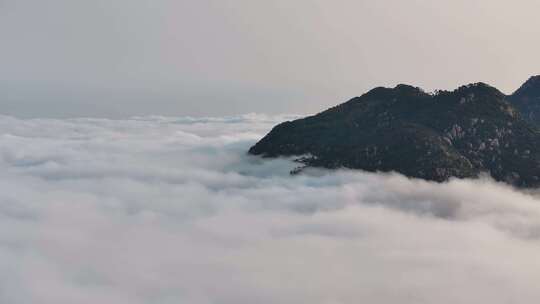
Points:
173	210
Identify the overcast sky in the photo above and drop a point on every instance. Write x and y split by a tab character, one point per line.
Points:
117	58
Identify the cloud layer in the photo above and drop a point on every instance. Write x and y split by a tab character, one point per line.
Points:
172	210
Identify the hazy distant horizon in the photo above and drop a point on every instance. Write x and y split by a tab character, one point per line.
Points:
120	58
87	110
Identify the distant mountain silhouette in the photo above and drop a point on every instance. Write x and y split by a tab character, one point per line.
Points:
461	133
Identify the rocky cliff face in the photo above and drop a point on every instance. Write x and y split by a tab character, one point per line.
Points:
462	133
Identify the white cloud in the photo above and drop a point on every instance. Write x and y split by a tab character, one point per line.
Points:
172	210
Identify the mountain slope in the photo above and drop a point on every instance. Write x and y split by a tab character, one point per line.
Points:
462	133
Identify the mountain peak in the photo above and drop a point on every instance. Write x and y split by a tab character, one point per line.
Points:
531	88
479	87
407	87
527	99
461	133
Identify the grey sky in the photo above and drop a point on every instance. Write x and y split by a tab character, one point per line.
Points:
117	58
